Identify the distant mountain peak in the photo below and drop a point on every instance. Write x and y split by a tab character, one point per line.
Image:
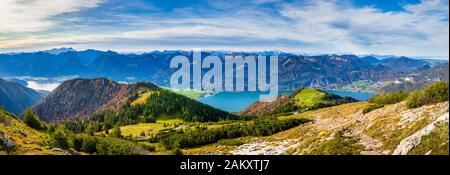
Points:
57	51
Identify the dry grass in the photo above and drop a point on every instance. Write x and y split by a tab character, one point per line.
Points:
143	98
27	141
149	128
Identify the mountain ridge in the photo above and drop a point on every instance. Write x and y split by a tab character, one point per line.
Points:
16	97
80	98
88	99
295	70
304	99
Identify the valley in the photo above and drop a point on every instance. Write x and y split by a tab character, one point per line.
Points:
151	120
327	105
185	87
320	71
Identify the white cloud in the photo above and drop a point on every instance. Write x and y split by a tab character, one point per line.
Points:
420	30
33	15
322	26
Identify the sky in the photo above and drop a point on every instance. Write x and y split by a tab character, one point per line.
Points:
381	27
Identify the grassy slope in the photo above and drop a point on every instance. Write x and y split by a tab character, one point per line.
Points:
142	99
435	143
344	129
154	128
192	94
309	97
27	140
148	128
299	101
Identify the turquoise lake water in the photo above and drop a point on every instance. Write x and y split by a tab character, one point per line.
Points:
237	101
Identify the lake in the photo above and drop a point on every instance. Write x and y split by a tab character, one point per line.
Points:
237	101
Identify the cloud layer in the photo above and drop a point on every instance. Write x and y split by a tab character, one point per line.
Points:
323	26
33	15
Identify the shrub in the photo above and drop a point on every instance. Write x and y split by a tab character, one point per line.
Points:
116	132
32	120
148	147
77	142
231	142
59	140
115	146
372	107
84	143
107	145
177	152
149	119
75	126
435	93
89	144
414	100
389	98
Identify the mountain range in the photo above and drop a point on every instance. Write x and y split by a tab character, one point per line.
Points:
16	97
420	79
295	70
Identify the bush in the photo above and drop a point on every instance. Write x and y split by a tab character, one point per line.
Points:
116	132
89	144
177	152
114	146
231	142
75	126
415	100
77	142
372	107
148	147
106	145
389	98
84	143
149	119
59	140
435	93
32	120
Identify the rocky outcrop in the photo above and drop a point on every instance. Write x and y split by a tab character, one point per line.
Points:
260	147
4	141
412	141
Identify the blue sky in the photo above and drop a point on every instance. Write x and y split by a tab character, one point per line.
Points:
384	27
